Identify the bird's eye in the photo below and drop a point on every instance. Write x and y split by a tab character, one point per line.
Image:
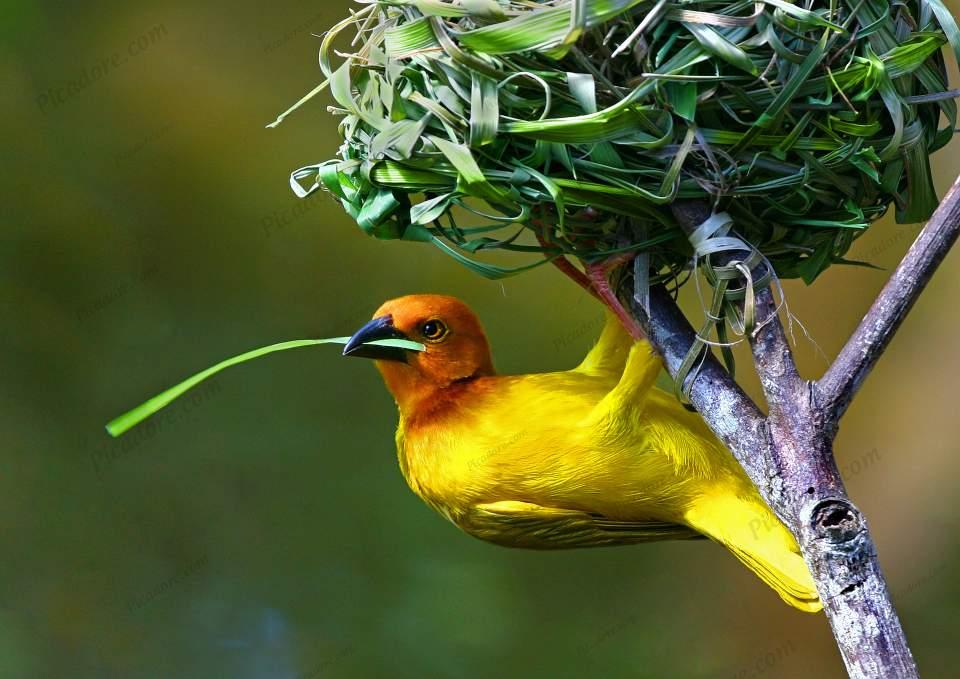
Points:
433	330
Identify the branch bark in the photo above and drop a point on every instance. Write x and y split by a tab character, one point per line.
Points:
788	454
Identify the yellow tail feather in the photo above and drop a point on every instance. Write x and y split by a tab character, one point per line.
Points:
761	542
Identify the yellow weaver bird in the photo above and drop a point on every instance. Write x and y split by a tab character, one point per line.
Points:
589	457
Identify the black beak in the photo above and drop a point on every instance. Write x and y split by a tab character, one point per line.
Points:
377	329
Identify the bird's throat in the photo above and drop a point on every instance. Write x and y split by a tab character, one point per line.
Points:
421	399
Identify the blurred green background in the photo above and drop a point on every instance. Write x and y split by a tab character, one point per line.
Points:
261	528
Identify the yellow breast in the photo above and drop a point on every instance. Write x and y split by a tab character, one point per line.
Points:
532	438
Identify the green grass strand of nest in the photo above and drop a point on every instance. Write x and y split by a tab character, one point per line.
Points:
568	118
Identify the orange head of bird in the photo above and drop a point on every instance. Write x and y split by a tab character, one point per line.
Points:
456	347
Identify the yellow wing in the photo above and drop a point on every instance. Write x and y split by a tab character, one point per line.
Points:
513	523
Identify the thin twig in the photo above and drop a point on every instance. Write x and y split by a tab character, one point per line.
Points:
838	386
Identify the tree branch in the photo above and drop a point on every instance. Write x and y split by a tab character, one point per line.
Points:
868	342
832	532
789	453
772	355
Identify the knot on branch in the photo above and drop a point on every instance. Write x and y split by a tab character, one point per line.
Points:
837	521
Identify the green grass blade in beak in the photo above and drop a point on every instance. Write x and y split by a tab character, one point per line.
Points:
133	417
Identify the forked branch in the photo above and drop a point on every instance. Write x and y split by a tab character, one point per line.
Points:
838	386
789	452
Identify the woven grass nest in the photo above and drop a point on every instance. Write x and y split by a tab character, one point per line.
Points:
583	120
